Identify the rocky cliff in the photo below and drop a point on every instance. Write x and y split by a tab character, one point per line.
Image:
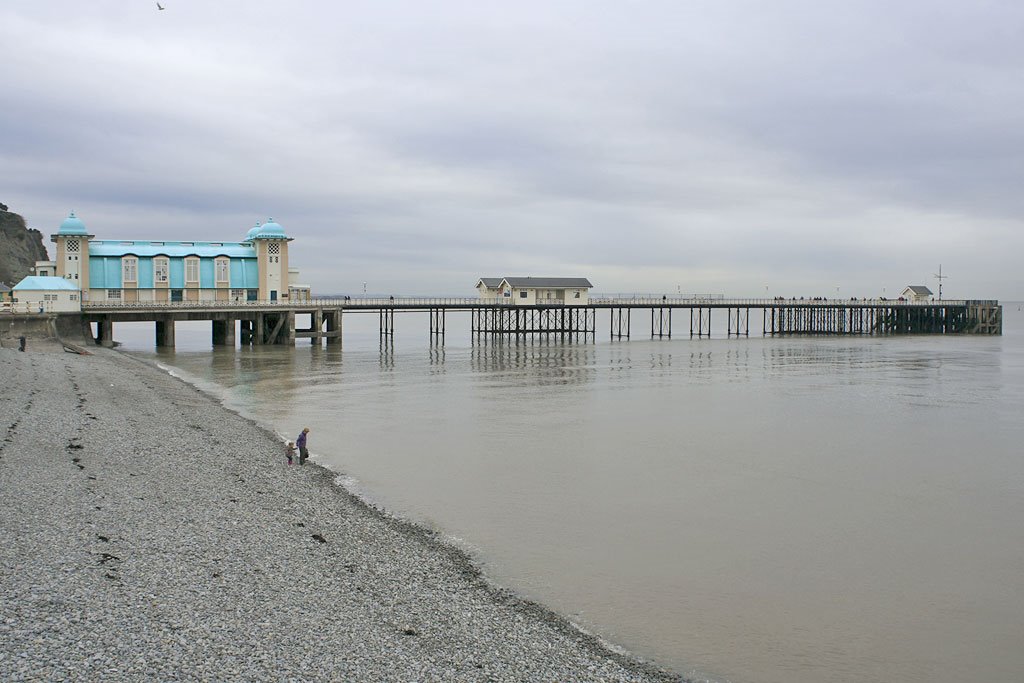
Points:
20	247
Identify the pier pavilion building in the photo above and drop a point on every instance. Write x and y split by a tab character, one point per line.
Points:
252	269
536	291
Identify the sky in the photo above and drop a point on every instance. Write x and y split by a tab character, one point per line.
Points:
744	148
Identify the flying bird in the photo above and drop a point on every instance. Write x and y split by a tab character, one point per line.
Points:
159	6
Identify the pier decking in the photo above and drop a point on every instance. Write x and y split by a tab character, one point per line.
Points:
266	322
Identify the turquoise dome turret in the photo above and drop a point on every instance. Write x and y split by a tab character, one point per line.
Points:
252	231
271	230
72	225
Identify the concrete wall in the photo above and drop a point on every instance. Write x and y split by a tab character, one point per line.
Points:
66	327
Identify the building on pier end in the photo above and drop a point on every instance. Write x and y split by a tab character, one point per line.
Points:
917	293
536	291
252	269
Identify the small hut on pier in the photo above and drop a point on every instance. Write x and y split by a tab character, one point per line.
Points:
536	291
916	293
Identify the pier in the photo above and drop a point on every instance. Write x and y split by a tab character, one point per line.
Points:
267	322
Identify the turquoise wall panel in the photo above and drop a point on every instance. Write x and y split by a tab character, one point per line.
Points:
244	274
145	273
113	268
177	273
252	274
206	273
104	272
96	272
237	275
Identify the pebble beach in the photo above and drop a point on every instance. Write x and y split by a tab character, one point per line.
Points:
151	534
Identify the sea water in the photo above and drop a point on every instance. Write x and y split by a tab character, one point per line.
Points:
754	510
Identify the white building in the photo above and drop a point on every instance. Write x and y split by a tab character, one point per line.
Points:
488	287
297	293
536	291
916	293
45	268
49	294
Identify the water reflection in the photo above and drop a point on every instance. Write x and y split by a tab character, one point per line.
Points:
542	363
437	356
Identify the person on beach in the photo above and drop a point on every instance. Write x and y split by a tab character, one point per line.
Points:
289	451
301	443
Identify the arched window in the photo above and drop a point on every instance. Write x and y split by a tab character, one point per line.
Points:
221	266
130	269
161	269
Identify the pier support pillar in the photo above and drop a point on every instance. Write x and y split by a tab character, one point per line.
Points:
333	328
620	322
317	318
437	325
165	332
245	330
287	334
224	333
259	327
387	324
661	323
105	333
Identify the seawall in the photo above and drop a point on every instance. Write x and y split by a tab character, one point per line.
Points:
53	328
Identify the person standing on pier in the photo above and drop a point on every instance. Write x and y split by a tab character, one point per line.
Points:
301	443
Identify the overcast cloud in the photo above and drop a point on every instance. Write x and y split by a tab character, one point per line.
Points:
735	147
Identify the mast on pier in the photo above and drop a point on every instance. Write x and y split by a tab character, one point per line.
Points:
940	277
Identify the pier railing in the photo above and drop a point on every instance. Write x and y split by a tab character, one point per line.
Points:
28	307
654	300
332	302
